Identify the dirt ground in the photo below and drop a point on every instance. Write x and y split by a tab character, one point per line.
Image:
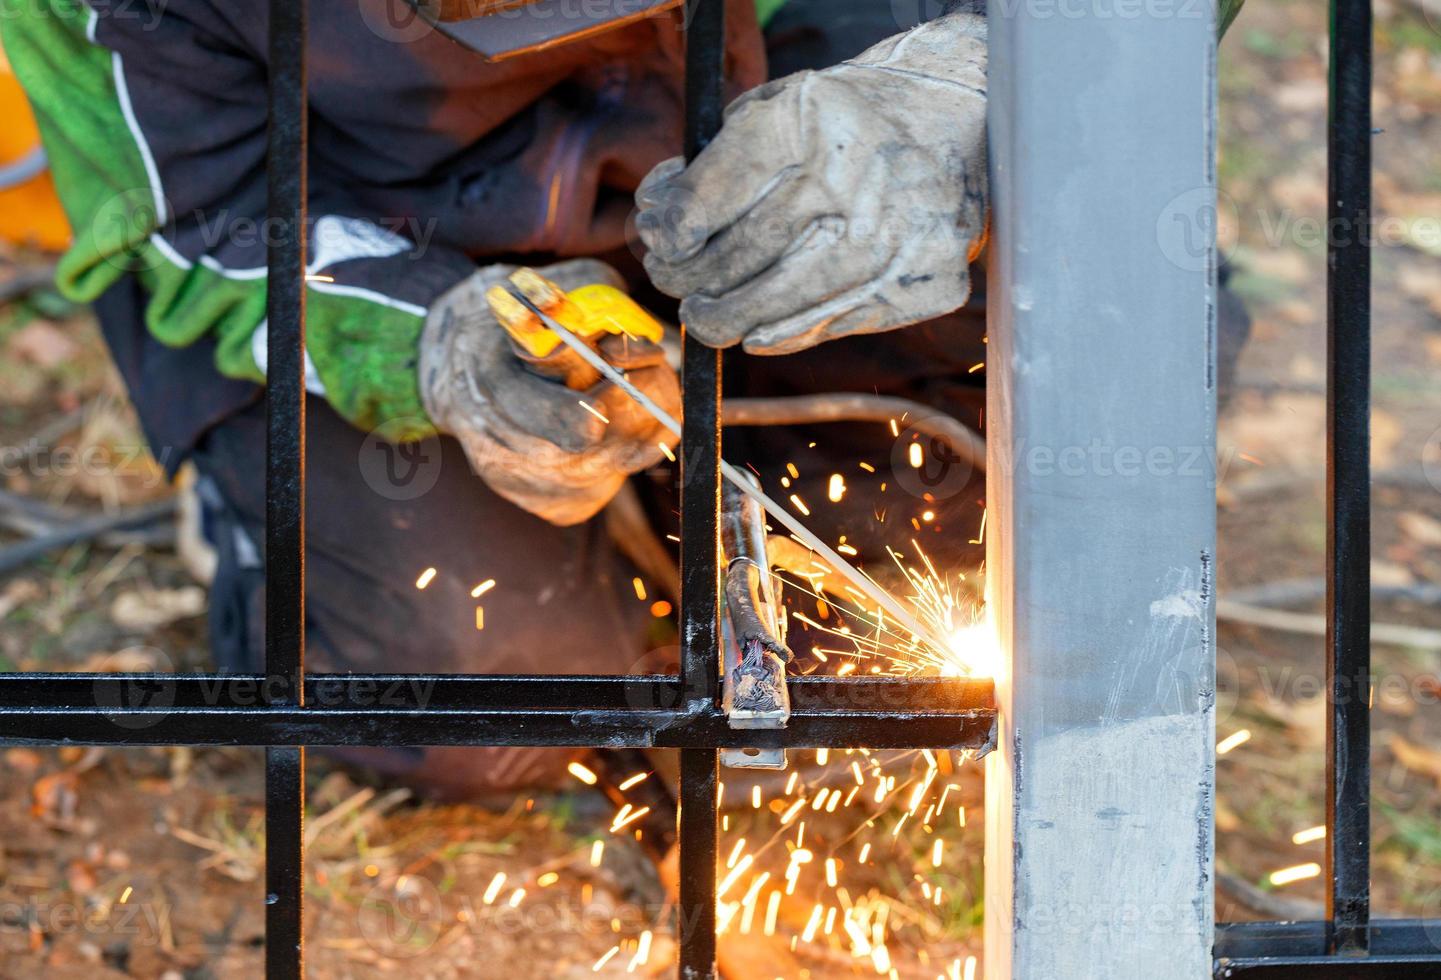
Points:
148	862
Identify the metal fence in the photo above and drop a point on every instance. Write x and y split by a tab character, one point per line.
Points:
1349	944
285	709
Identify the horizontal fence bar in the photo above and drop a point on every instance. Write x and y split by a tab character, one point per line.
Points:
270	726
1330	968
1400	949
1301	940
462	692
418	709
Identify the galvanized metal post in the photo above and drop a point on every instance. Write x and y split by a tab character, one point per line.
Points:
1101	473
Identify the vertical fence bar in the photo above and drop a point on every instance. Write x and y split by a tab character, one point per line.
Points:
701	438
285	483
700	535
699	781
1101	501
1348	479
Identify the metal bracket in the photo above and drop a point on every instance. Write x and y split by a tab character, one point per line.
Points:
753	689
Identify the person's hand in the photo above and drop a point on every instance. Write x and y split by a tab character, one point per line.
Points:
836	202
529	437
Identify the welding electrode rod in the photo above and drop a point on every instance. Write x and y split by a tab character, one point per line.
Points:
738	479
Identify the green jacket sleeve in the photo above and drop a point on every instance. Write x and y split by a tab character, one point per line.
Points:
155	130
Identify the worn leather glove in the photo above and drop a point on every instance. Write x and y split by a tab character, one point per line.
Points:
528	437
832	202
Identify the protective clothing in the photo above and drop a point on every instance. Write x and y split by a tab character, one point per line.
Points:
834	202
423	158
556	452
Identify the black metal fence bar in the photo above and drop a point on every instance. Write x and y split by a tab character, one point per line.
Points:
1348	945
700	537
285	484
973	730
1348	468
285	710
581	694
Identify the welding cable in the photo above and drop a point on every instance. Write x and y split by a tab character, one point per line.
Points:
968	445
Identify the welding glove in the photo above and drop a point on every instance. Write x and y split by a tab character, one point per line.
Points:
832	202
529	437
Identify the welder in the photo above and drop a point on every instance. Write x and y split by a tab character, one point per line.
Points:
842	199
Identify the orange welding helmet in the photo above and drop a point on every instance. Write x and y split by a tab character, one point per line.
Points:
499	29
30	213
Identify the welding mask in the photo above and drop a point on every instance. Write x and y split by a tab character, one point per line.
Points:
500	29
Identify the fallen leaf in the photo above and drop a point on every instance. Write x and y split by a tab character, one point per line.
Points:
1390	575
153	608
1420	528
23	760
1422	233
131	660
1419	759
1422	282
1305	719
54	797
80	877
43	344
1305	95
1287	265
1386	434
1288	431
16	594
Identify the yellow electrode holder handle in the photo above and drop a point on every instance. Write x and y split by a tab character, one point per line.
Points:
589	312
